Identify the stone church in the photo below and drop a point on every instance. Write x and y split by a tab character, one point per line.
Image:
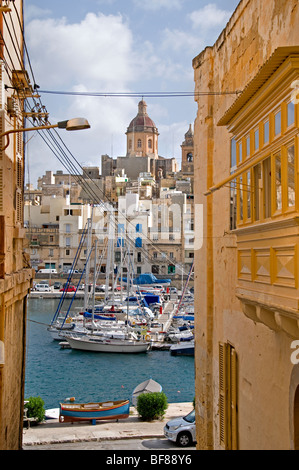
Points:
142	151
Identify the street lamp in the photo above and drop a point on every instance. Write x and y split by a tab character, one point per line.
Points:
75	124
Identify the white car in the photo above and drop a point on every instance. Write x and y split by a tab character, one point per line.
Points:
182	430
42	288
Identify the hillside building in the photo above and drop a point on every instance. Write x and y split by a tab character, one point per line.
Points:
246	273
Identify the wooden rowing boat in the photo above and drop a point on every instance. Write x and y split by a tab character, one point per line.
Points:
70	412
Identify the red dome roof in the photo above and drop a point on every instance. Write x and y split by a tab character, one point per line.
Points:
142	121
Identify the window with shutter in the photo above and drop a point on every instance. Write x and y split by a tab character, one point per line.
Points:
1	190
222	395
19	189
2	129
19	206
2	247
228	406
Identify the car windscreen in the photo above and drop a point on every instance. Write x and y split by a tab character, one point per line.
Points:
190	418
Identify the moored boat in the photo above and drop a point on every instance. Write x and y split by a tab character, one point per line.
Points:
148	386
93	412
182	349
148	280
106	344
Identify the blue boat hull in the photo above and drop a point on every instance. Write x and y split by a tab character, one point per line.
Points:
183	350
94	411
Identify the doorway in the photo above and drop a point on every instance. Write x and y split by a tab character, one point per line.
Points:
296	419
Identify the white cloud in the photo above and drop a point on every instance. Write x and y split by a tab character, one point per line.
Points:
181	41
95	51
93	55
33	11
155	5
209	16
99	53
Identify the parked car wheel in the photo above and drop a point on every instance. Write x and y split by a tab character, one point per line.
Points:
184	439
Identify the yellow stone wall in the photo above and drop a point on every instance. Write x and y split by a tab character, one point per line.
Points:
15	273
266	376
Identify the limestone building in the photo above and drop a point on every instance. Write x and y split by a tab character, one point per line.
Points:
56	213
246	273
15	273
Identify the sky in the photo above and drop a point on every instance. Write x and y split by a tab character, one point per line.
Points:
116	46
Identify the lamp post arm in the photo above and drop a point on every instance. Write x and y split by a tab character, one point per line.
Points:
14	131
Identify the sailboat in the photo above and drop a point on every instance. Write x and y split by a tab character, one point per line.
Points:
62	322
129	343
123	341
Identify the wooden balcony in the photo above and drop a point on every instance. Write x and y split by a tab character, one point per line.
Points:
268	273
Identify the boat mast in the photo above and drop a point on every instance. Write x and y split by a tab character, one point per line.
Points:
121	269
86	288
94	281
109	251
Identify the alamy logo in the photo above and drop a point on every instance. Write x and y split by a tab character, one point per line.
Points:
295	354
159	222
295	92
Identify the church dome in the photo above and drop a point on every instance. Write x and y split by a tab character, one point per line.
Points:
142	122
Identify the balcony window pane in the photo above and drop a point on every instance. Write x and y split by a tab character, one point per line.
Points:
291	113
247	146
248	192
278	181
256	139
257	179
241	198
291	176
233	205
240	152
266	132
267	187
277	123
233	154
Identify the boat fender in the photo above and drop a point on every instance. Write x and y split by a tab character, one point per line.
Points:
148	337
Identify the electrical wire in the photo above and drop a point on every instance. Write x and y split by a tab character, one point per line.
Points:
53	141
148	94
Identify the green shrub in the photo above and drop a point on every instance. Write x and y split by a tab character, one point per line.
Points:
35	408
152	406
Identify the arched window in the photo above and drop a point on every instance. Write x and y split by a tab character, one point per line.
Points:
139	143
150	143
190	157
130	144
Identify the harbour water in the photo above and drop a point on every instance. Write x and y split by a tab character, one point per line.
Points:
55	374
